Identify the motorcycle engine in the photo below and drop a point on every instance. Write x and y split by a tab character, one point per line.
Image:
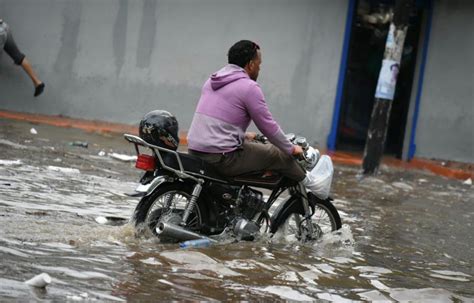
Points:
246	201
251	202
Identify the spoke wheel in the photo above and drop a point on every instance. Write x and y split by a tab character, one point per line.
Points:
325	219
166	204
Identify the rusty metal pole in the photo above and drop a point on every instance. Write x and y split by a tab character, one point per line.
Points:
377	132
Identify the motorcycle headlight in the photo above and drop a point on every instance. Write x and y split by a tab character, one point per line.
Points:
312	156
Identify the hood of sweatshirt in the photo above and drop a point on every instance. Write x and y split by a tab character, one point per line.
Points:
226	75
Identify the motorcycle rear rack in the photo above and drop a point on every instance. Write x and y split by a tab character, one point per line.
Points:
137	141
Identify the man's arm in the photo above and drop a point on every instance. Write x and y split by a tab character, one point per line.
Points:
263	119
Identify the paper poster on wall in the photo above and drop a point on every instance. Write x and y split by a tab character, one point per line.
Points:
387	80
390	37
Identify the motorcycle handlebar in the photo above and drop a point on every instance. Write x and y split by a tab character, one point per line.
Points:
310	155
261	138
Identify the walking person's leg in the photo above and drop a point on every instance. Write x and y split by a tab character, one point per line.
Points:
39	86
20	59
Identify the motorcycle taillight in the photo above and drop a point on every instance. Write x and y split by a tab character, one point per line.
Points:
146	162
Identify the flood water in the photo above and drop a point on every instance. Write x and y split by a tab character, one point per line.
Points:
406	235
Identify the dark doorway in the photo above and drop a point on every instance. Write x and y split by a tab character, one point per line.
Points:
369	33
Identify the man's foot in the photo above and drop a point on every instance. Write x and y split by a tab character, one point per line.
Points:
39	89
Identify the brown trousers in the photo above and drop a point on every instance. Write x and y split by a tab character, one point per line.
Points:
253	157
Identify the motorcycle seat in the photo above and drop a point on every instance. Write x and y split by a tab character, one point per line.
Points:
264	179
200	168
193	165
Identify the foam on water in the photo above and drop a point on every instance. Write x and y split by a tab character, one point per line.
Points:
333	297
425	295
289	276
74	273
196	261
451	275
286	293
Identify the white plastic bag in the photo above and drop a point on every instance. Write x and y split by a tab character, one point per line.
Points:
321	177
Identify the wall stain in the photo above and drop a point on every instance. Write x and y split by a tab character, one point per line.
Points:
120	35
300	80
69	38
146	40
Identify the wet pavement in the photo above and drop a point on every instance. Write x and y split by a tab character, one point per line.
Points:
407	235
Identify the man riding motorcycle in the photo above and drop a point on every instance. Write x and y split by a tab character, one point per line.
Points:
230	100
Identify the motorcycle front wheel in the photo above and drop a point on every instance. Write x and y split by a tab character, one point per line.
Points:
167	204
291	220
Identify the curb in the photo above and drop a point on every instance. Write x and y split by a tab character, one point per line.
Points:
337	156
416	163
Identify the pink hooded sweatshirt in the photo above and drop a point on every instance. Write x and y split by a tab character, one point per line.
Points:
229	101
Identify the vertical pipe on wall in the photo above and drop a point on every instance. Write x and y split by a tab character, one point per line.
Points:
331	141
412	145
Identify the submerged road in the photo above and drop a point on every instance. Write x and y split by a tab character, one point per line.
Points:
407	235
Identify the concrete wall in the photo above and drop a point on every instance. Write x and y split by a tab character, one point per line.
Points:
446	120
115	60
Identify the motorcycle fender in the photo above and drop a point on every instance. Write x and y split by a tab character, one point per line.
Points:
291	204
147	189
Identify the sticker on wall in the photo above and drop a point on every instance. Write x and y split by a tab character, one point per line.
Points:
387	79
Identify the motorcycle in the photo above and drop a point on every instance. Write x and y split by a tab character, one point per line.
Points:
184	198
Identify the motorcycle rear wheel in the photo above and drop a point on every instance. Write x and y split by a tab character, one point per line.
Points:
325	219
166	204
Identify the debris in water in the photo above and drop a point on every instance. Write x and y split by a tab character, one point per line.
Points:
33	131
121	157
113	221
402	186
40	281
65	170
37	213
80	144
102	153
116	221
84	295
195	243
101	220
10	162
468	182
151	261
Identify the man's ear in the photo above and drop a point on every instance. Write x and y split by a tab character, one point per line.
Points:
250	65
247	67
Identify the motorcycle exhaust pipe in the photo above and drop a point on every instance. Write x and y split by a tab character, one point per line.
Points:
169	230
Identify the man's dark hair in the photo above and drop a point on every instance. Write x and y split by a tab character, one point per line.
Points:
242	52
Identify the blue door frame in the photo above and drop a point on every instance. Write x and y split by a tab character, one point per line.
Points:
332	137
331	141
419	90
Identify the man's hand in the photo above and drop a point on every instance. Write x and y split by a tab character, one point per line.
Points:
297	151
250	136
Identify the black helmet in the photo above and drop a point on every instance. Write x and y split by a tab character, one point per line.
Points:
160	128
